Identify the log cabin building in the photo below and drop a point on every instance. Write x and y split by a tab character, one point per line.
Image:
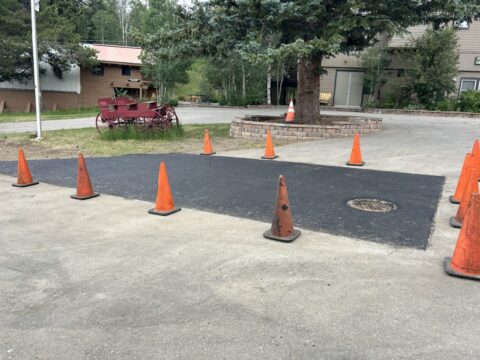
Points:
119	73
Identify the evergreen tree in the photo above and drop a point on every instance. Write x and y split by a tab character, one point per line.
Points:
312	30
59	43
434	66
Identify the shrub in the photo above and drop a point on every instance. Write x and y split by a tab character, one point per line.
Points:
172	102
238	100
446	105
469	101
389	102
414	107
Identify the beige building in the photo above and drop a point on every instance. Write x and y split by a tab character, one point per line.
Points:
343	84
118	73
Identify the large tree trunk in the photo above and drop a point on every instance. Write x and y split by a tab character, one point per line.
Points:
307	108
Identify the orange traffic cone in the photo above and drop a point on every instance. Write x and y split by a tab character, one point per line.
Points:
84	185
466	257
476	154
24	178
472	186
207	146
269	151
282	225
164	204
356	155
291	112
463	180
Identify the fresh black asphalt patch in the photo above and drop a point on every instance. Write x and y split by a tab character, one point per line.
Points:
246	188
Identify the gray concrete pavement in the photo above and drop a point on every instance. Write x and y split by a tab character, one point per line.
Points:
413	144
47	125
102	279
187	115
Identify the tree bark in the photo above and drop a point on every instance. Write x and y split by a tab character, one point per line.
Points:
307	108
244	92
280	77
269	84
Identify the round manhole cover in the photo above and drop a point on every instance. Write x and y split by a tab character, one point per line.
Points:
372	205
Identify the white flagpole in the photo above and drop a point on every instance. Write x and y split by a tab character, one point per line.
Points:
36	77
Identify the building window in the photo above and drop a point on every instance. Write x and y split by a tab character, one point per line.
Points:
126	70
468	84
462	25
98	70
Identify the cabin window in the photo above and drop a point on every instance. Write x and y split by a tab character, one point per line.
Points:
98	70
468	84
126	70
462	25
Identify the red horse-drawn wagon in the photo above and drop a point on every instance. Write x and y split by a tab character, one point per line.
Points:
124	111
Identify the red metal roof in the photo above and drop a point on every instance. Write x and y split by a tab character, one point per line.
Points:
116	54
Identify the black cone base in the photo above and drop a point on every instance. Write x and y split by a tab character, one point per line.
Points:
295	234
454	223
164	213
356	164
26	185
447	262
453	200
76	197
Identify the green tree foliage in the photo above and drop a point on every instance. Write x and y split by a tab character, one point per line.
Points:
59	43
375	61
313	30
13	27
234	81
106	27
166	53
434	66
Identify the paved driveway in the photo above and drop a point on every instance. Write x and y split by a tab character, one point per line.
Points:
102	279
246	188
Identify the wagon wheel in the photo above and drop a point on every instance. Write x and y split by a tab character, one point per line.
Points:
140	122
150	122
174	116
169	115
105	124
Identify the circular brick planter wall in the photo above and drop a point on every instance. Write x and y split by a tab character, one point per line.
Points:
341	126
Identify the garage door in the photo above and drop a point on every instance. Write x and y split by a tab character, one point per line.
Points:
348	88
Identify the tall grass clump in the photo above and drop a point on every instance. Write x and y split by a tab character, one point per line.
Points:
134	133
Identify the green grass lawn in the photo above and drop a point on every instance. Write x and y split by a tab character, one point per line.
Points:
67	143
49	115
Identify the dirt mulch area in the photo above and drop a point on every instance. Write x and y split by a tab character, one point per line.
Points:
37	150
9	151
